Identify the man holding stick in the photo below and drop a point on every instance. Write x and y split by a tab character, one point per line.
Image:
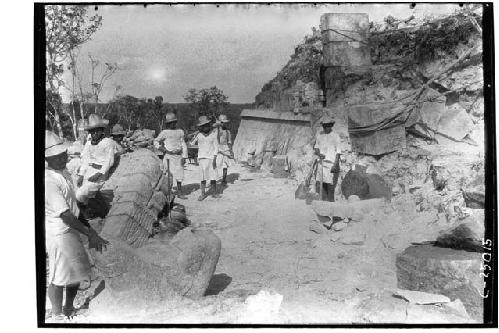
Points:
327	148
225	153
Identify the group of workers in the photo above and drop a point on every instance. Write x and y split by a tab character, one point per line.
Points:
214	152
69	186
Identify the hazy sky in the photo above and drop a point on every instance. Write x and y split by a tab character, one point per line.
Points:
167	49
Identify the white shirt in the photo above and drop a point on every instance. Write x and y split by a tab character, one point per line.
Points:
207	144
102	154
328	144
59	197
224	140
73	165
173	140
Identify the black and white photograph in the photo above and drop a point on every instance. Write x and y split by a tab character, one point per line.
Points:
265	164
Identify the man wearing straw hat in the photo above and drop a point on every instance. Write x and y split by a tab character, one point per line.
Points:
98	157
171	142
327	148
117	134
68	260
225	152
207	156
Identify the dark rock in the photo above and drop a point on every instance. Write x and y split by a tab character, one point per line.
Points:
355	183
449	272
468	236
377	186
474	198
365	185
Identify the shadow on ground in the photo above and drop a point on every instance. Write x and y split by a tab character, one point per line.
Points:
232	177
218	283
190	188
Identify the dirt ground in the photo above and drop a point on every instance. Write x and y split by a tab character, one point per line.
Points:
323	276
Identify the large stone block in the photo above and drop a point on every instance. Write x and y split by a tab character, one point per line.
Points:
377	128
365	185
344	38
159	269
455	123
449	272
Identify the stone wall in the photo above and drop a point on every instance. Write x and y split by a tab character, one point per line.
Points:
281	133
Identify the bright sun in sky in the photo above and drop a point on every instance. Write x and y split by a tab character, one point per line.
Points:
158	74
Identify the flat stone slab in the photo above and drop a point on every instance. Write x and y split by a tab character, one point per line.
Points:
420	297
346	209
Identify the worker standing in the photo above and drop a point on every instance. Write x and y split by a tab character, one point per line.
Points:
98	157
225	150
68	260
327	148
207	156
171	142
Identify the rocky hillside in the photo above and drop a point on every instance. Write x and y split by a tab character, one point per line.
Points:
405	55
432	68
302	68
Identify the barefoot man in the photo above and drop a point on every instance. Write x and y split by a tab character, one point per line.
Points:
68	260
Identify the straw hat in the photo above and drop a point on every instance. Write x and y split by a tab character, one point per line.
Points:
223	118
203	120
96	121
54	145
170	117
117	130
326	119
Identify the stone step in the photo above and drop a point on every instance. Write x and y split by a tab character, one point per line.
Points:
444	271
345	209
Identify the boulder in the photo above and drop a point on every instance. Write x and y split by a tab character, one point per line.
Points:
468	235
365	185
355	183
377	187
455	123
158	270
449	272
